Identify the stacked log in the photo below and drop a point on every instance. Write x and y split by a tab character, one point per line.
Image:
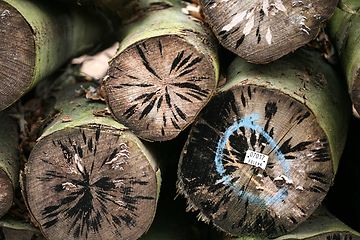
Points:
37	38
263	149
9	161
266	160
344	30
164	72
88	176
263	31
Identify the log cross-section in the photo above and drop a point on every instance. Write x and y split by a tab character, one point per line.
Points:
263	153
89	177
169	81
264	30
163	74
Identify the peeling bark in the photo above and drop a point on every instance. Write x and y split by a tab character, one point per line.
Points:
90	178
37	38
164	72
264	30
293	112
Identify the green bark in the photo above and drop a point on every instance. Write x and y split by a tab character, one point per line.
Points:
164	72
9	161
90	177
293	111
344	31
11	228
37	38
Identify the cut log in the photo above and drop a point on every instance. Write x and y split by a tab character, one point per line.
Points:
263	31
320	225
164	72
88	177
263	153
11	228
9	161
343	29
38	37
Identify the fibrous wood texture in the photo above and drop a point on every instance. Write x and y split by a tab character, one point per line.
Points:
293	111
38	37
264	30
343	28
164	72
9	161
88	177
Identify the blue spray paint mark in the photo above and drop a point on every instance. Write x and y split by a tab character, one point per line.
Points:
248	121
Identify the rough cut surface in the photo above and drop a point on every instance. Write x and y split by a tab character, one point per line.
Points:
91	182
264	30
240	198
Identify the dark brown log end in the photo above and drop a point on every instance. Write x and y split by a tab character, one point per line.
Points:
6	193
244	199
17	54
156	87
263	31
91	182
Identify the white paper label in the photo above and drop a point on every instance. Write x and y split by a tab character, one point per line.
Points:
256	159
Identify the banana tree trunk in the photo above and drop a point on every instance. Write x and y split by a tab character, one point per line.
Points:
37	38
164	72
9	161
344	31
263	153
263	31
88	177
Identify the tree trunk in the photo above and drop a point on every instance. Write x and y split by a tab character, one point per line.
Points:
88	177
320	225
11	228
263	31
9	161
163	73
38	37
263	153
343	28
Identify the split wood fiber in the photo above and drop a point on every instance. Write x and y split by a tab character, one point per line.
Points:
37	38
13	229
89	177
320	225
9	161
344	31
294	111
164	72
263	31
